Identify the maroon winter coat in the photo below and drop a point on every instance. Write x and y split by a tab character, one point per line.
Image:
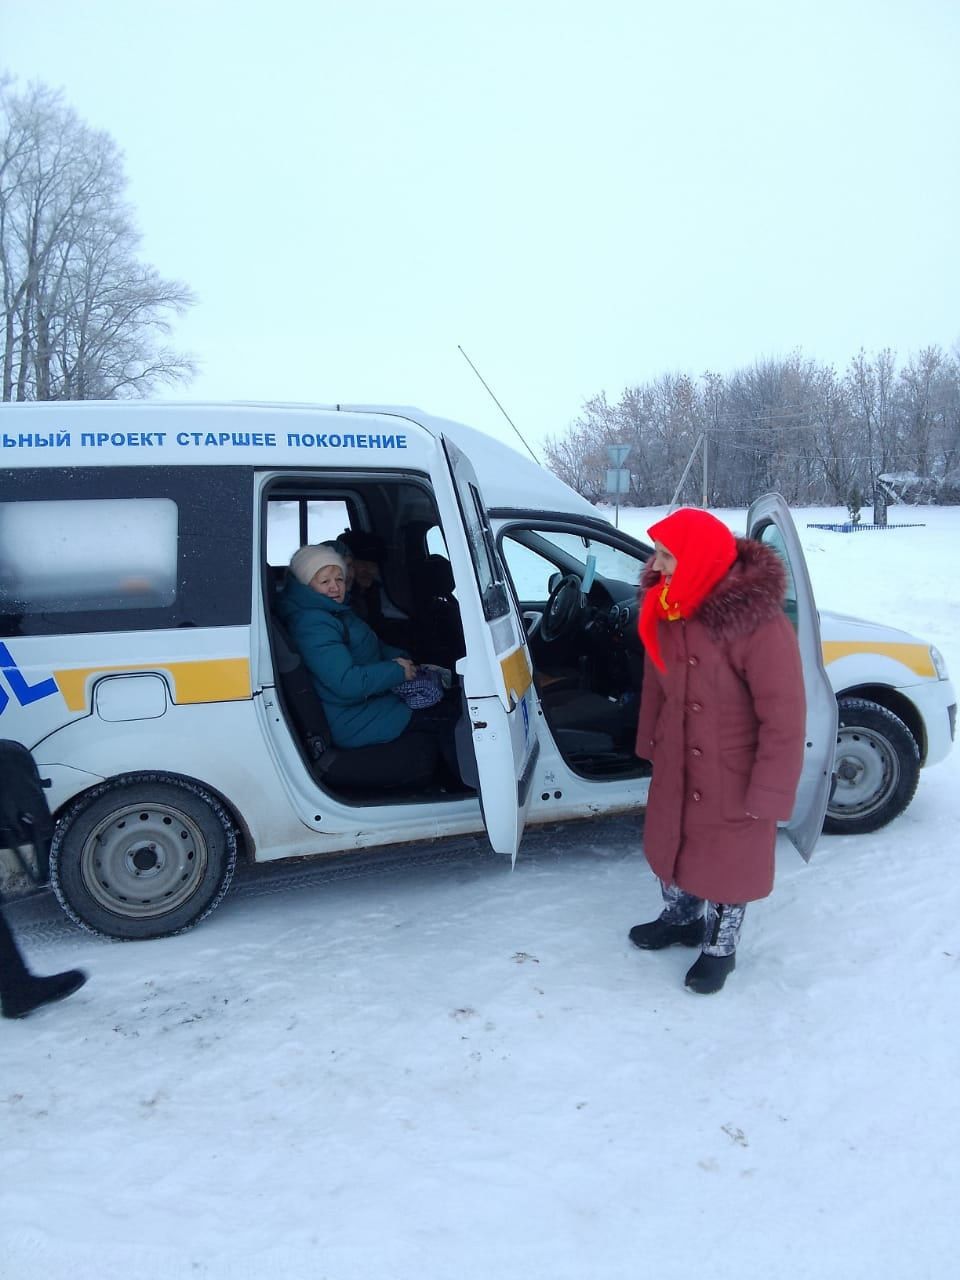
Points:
724	728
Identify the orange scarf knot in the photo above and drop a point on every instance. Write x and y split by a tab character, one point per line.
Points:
670	611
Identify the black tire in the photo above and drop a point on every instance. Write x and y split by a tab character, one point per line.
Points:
145	855
878	768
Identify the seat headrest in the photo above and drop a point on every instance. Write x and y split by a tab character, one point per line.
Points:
438	576
364	545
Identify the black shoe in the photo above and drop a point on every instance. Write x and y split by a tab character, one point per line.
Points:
35	992
709	973
660	933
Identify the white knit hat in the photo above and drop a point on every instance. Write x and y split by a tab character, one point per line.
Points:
311	558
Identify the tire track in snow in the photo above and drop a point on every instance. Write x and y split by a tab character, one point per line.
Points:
39	923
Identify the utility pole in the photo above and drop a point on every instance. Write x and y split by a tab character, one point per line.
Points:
686	470
706	487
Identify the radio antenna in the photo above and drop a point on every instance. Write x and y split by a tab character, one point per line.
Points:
499	405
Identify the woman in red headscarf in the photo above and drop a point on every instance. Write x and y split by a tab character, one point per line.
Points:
722	718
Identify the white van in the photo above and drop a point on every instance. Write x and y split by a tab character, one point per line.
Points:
141	550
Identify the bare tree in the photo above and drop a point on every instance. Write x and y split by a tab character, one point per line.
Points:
950	415
82	316
787	424
577	458
918	389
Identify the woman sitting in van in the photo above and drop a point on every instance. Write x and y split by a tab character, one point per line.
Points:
353	671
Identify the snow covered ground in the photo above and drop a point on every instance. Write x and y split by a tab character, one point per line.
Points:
422	1065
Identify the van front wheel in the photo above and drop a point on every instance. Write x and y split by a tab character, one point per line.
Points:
142	856
877	764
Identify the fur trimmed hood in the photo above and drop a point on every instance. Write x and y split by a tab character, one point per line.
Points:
751	593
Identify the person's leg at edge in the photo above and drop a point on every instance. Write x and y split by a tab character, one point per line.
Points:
13	972
21	991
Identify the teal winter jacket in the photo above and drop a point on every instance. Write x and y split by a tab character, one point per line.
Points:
353	670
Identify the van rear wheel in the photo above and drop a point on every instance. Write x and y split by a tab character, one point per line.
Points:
142	856
877	764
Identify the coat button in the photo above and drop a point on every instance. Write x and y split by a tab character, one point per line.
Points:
693	661
695	751
697	796
695	706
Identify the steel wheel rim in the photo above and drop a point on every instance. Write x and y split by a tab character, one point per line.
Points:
868	772
143	860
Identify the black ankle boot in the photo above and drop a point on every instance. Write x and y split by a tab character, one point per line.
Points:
32	992
660	933
709	973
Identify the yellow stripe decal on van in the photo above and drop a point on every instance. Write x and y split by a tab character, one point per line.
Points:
915	656
517	675
208	680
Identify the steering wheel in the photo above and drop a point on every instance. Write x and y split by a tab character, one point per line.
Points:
564	611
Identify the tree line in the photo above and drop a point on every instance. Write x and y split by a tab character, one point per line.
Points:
792	425
83	317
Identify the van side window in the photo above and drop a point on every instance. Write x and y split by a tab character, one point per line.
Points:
436	543
140	548
531	572
325	519
100	553
542	553
770	535
491	575
493	592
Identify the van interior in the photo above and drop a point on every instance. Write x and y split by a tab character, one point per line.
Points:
576	593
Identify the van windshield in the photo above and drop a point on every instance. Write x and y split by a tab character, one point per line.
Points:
610	561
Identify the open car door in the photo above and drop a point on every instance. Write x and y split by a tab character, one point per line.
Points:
770	522
497	672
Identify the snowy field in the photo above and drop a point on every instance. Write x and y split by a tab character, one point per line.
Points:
423	1066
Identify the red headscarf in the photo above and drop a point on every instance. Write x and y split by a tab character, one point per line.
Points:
704	549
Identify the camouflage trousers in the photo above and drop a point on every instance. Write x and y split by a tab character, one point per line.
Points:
723	919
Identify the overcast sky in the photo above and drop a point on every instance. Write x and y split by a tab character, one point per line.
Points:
584	195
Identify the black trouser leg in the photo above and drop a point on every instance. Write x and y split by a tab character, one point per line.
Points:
13	971
22	991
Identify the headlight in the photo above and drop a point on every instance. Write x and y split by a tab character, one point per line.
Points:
936	657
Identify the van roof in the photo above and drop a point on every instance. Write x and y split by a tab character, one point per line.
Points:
508	478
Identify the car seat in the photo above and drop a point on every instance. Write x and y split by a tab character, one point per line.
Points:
439	630
410	762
